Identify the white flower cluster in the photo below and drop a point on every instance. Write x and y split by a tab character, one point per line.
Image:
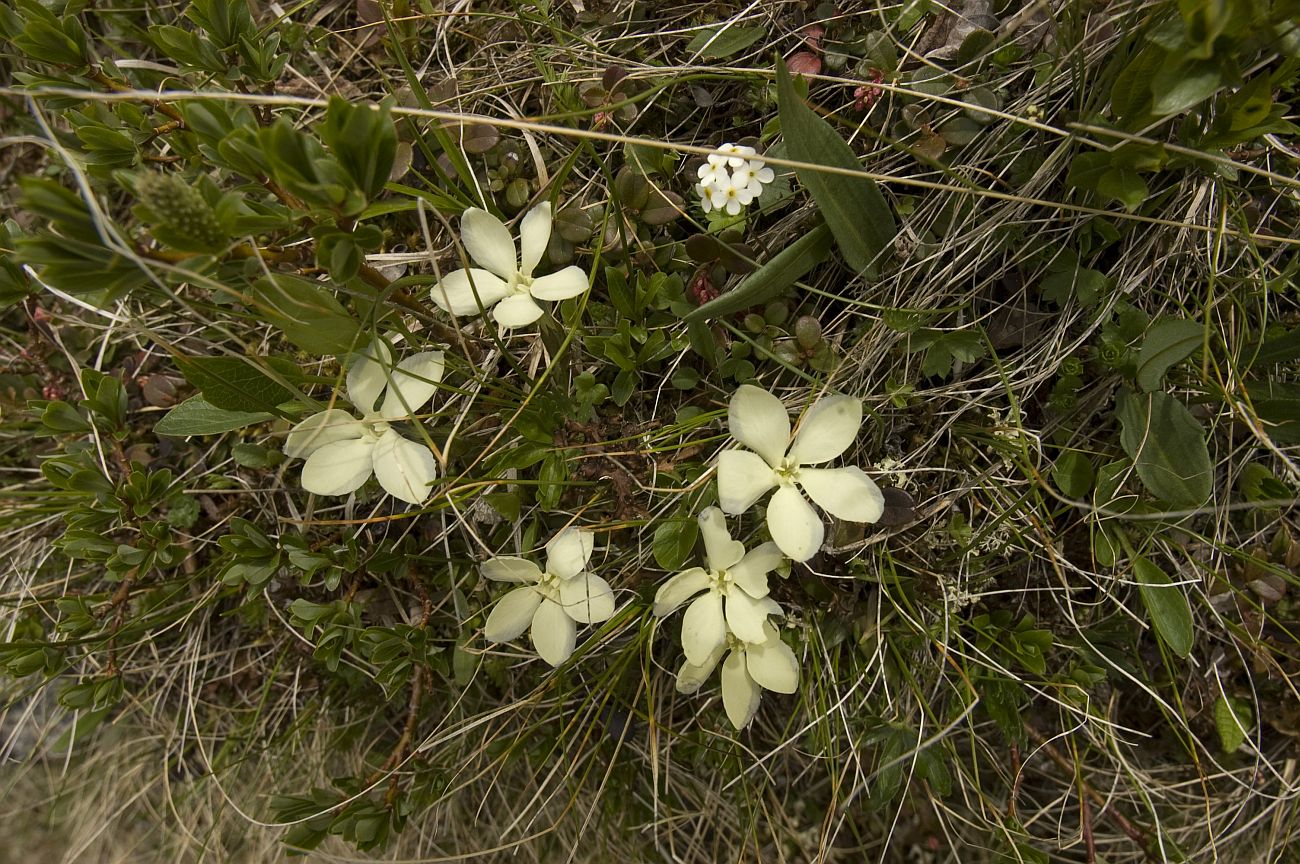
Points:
731	179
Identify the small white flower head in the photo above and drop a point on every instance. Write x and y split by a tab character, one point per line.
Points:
503	279
732	591
731	178
710	174
758	420
750	668
342	451
552	601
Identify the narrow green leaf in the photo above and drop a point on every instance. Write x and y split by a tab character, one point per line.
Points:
1167	605
853	207
674	541
1277	403
1167	447
196	417
1280	349
1168	342
772	278
713	43
307	313
238	383
1232	720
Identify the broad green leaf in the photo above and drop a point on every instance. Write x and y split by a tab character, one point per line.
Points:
307	313
713	43
1232	720
196	417
1177	86
1279	349
237	383
772	278
1073	474
1167	605
1168	342
1277	403
363	139
1167	447
674	541
853	207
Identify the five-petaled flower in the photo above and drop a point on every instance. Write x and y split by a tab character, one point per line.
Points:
734	587
750	668
502	279
758	420
342	451
730	190
552	601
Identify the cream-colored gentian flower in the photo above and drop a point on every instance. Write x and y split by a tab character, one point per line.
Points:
758	420
750	668
552	601
342	451
503	280
734	587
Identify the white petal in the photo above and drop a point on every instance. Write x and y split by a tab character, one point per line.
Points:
827	430
338	468
772	664
746	616
534	232
733	206
758	420
368	375
462	292
320	429
517	310
488	242
720	550
568	552
554	633
413	383
743	477
691	676
512	615
751	573
569	282
703	628
587	598
404	468
762	175
508	568
679	589
845	493
740	695
793	524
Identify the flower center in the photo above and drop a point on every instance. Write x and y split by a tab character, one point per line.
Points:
787	472
373	428
720	581
549	587
518	283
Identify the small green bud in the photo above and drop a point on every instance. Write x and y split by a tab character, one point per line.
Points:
808	330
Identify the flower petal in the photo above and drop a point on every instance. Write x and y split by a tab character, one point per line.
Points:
320	429
568	552
743	477
827	430
751	573
368	375
566	283
845	493
338	468
404	468
719	549
746	616
740	695
691	676
488	242
534	233
462	292
508	568
703	628
758	420
587	598
512	615
413	383
517	310
554	633
793	524
679	589
772	664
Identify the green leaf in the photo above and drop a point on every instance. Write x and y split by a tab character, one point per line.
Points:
713	43
1124	185
1280	349
363	139
769	280
307	314
1167	447
1167	605
238	383
1277	403
1073	474
1178	86
1168	342
853	207
674	541
196	417
1232	720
